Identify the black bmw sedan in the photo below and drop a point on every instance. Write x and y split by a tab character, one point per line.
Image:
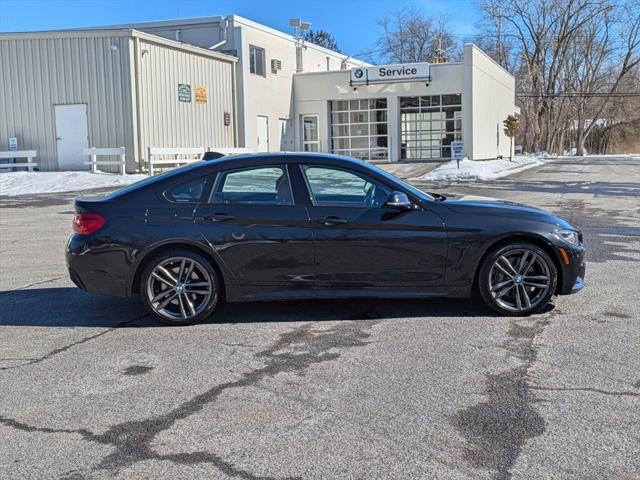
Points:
296	226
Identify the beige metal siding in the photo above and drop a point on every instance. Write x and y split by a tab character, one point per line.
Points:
167	122
38	73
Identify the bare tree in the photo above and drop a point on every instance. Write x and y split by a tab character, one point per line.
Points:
571	59
409	36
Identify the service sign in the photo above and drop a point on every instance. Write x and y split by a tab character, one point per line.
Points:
13	144
403	72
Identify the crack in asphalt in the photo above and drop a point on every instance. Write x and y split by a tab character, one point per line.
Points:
60	350
498	428
586	389
293	352
41	282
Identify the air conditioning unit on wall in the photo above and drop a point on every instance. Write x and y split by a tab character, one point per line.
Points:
276	65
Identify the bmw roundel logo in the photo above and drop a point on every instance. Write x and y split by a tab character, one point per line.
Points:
358	73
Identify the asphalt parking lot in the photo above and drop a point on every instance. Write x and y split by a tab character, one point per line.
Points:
91	387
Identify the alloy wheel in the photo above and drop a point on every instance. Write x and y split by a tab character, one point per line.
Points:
519	280
179	288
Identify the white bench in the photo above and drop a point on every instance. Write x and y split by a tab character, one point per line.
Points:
101	152
28	154
194	155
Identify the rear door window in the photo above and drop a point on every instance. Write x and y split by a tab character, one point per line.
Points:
264	185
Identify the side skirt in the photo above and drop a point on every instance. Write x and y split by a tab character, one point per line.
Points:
268	293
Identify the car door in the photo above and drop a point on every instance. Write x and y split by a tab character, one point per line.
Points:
360	242
257	230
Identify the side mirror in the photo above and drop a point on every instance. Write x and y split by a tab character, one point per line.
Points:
398	201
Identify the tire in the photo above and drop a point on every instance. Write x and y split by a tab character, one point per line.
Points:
180	287
511	288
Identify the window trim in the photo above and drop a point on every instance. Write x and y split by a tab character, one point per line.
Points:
357	173
264	60
221	174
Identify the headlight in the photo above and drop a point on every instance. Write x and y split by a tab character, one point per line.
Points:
569	236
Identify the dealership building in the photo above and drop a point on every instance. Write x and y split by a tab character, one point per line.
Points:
224	82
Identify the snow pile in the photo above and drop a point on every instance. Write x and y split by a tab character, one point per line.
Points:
481	170
29	183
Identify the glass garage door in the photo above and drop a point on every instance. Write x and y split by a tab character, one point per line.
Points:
429	124
359	128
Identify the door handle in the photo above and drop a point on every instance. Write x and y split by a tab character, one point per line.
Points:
331	220
218	218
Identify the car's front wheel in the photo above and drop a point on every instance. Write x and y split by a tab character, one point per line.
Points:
179	287
517	279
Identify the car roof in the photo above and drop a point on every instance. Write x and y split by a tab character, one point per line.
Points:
247	160
284	157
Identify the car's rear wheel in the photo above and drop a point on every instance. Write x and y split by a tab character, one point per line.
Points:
517	279
179	287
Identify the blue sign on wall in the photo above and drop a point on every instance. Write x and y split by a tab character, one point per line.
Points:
184	92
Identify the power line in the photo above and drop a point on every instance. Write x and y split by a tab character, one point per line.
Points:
577	95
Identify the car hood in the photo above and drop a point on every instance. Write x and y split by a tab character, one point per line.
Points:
494	206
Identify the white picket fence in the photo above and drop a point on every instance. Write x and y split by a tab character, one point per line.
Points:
94	153
28	154
184	156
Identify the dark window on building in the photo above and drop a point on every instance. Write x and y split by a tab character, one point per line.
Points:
257	60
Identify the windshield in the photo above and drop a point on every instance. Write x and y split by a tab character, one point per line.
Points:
415	191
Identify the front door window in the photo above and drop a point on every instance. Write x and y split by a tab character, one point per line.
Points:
340	188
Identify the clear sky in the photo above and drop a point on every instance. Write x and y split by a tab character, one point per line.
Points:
352	22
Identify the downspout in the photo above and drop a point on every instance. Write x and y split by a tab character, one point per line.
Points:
234	103
137	75
224	25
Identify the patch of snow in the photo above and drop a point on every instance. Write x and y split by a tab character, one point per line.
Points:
29	183
481	170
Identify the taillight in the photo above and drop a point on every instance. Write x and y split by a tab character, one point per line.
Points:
86	223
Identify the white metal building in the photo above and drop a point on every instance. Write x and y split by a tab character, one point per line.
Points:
62	92
267	62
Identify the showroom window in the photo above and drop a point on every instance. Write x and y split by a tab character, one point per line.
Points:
256	60
429	124
359	128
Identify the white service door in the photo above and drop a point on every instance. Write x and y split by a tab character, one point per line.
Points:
72	136
263	134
